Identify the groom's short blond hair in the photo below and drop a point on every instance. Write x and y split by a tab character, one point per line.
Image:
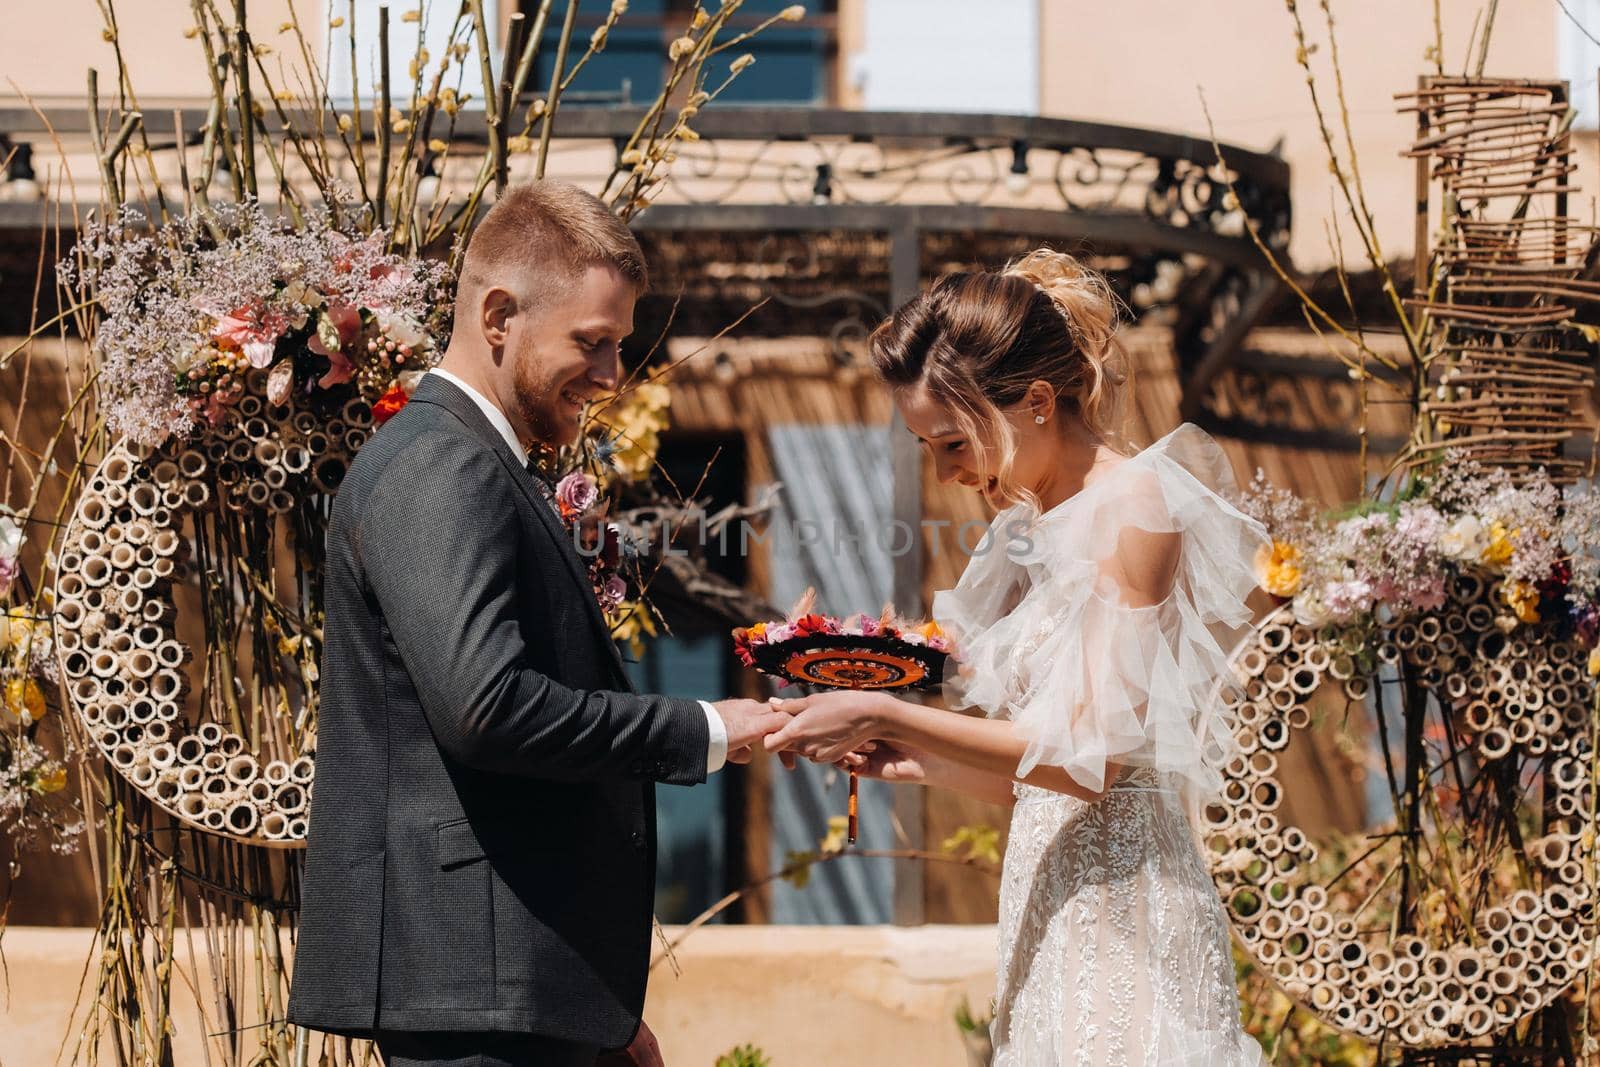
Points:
539	237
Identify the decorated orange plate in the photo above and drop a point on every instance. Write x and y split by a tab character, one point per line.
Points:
852	661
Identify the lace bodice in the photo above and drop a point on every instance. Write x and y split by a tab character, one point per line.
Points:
1113	943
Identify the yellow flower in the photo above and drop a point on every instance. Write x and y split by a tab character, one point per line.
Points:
930	629
757	631
837	837
54	781
24	702
16	632
631	623
1594	662
638	422
1523	599
1498	553
1278	568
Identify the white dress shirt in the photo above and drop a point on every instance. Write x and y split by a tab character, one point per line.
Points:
717	753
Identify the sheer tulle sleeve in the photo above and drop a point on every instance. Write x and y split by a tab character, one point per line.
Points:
1091	673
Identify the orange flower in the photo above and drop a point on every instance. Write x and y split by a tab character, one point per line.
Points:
1523	599
389	404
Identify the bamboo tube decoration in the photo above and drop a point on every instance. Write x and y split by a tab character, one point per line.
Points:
123	666
1416	991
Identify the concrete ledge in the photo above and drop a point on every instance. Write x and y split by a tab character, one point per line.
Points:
806	995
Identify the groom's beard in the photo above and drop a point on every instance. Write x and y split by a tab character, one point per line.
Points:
539	404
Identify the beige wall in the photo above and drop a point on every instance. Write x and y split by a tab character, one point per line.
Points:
808	996
47	45
1145	63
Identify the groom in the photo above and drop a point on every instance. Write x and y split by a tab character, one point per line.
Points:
481	860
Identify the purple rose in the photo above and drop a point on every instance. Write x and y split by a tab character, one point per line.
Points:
612	592
576	493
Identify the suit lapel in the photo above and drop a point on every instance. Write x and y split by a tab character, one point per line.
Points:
435	390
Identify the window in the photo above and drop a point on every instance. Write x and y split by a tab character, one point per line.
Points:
988	52
362	17
794	61
1576	31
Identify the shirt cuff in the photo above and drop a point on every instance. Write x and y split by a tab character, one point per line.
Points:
717	748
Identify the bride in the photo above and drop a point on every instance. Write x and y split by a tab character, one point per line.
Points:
1093	625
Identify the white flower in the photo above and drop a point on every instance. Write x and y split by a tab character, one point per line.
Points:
301	292
190	357
401	330
1464	540
1309	609
11	539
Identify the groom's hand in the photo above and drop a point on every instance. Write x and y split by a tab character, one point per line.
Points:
642	1051
747	722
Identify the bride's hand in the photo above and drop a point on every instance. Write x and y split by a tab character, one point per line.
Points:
890	763
827	726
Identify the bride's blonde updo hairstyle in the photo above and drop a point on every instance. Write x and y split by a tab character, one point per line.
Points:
977	341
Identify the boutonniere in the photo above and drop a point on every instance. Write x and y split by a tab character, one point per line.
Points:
598	541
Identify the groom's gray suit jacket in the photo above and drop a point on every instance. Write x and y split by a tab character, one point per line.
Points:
482	843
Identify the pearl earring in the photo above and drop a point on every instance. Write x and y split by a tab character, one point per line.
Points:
1039	419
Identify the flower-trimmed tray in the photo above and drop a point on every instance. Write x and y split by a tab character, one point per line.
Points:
858	652
852	661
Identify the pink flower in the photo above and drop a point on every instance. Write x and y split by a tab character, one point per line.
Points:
346	322
1429	597
235	328
612	593
216	403
252	329
576	493
338	373
1349	598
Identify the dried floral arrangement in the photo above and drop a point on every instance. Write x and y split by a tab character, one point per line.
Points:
252	307
1452	612
1535	544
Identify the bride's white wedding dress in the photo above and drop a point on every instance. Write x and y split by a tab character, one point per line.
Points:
1113	942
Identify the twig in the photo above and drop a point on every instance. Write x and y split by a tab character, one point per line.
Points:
553	101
